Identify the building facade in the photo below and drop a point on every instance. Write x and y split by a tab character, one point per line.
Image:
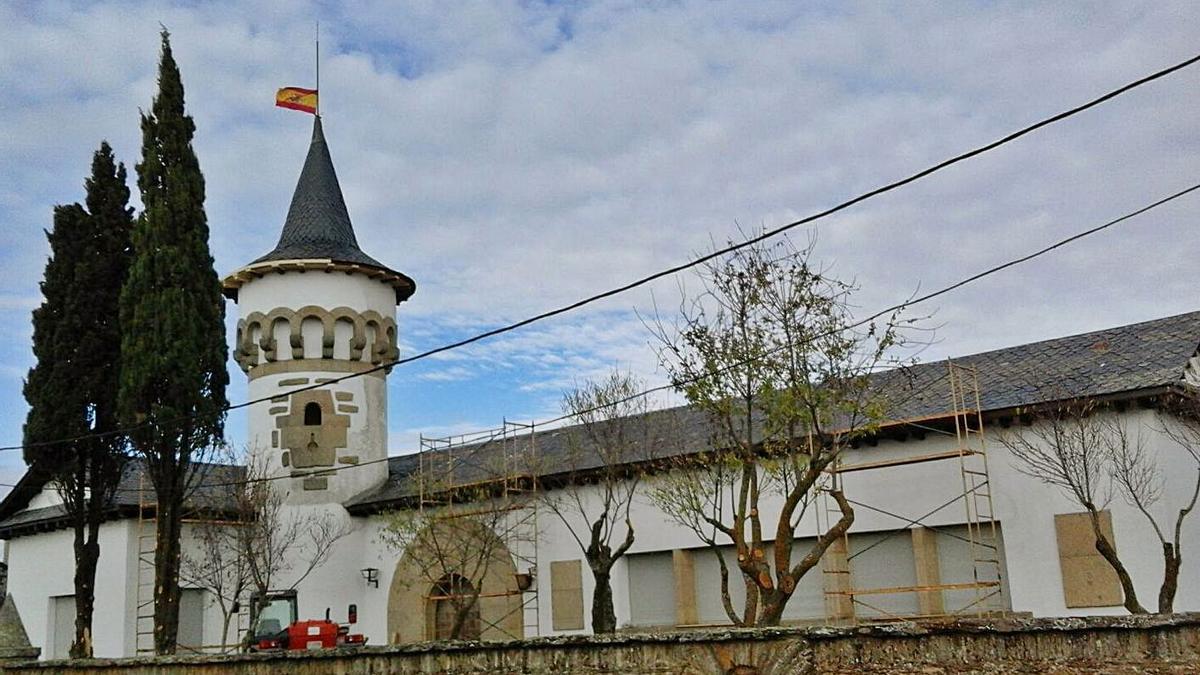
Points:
317	329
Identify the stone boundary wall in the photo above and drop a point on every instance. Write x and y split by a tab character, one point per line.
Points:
1149	645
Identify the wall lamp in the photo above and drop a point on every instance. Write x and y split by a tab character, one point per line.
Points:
525	580
371	576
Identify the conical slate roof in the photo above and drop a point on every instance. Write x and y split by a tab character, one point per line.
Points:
318	225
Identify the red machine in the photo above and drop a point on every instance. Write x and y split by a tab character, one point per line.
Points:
300	635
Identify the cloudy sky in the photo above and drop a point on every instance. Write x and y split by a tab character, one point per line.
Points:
512	157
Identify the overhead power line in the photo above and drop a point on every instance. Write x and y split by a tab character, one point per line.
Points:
909	303
766	234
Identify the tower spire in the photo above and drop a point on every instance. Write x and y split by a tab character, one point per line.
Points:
318	224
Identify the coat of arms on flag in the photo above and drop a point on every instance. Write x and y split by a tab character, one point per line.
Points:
297	98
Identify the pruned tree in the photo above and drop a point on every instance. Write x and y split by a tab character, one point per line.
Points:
769	353
600	473
467	526
1071	444
173	354
1141	481
254	542
72	388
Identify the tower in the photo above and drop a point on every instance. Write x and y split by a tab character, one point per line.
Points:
314	309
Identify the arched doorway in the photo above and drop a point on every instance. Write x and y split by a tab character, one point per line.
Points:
411	614
450	596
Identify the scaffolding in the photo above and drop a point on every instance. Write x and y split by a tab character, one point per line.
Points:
491	477
843	597
147	526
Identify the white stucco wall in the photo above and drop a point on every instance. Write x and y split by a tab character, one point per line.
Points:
41	565
324	289
1025	508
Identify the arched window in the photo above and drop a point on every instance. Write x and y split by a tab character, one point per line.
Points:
449	596
312	414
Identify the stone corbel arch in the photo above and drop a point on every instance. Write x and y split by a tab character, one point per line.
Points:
239	355
249	348
385	335
320	314
359	339
267	339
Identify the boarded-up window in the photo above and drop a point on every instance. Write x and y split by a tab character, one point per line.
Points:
651	588
957	565
1087	578
685	588
191	620
806	603
881	560
566	594
63	610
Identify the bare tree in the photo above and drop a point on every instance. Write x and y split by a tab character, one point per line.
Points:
769	354
1141	482
217	565
1072	447
600	473
253	539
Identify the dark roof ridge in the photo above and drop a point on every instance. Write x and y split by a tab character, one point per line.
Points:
1063	338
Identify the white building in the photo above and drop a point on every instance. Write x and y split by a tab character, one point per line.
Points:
317	308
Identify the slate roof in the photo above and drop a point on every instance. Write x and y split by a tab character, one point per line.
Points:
1126	359
212	493
1114	360
318	224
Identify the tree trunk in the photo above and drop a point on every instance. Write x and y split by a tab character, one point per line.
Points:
773	602
1172	561
87	554
775	599
604	617
226	619
1105	548
166	572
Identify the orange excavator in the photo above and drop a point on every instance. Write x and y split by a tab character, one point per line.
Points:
276	627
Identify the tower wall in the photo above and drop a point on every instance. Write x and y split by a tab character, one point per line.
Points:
300	328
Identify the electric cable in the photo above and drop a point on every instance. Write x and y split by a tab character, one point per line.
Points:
908	303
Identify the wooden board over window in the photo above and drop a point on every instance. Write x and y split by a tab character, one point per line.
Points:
1087	578
566	594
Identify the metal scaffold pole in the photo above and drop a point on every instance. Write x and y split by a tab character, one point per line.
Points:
455	472
843	598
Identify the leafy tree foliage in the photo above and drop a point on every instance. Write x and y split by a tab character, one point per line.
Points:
770	354
173	354
72	389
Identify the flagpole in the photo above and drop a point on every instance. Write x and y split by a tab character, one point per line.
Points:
318	40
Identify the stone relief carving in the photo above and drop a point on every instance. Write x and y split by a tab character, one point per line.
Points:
311	433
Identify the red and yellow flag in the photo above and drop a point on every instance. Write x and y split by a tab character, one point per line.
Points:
297	99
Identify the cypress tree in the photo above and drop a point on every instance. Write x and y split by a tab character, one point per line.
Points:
72	389
173	373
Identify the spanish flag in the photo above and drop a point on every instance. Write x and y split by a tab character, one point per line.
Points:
297	99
